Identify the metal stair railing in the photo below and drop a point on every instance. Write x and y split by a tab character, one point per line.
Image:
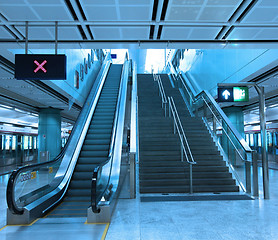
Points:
185	148
233	145
157	79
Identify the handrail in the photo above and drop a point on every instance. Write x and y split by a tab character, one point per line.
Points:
77	128
239	138
179	127
94	199
182	136
157	79
223	129
184	85
164	102
234	138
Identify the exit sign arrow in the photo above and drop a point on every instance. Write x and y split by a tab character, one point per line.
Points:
226	94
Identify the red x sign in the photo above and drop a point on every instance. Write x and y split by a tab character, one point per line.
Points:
40	66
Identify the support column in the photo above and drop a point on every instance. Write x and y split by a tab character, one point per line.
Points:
49	138
235	115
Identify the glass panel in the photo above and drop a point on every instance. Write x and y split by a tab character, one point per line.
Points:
25	142
251	140
35	183
3	142
259	140
8	139
247	138
30	142
14	143
269	139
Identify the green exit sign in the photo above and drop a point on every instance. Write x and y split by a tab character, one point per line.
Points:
241	94
233	94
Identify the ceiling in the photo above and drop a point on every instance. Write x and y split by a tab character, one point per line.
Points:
130	24
143	23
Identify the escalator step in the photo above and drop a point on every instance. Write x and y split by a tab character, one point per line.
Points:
91	160
95	147
97	136
94	154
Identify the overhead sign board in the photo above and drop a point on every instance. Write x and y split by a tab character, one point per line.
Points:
233	94
40	66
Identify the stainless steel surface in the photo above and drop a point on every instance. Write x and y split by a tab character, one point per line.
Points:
214	125
104	216
255	174
133	122
191	179
133	133
248	177
56	37
179	128
260	90
26	37
132	179
111	169
157	79
239	84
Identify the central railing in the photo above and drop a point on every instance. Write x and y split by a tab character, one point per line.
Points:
164	102
178	128
185	148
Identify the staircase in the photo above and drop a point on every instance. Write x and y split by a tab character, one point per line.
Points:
161	169
94	151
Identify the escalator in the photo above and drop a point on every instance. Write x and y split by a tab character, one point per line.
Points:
88	168
94	151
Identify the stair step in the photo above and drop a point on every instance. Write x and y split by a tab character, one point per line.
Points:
196	182
179	163
199	175
160	168
184	169
185	189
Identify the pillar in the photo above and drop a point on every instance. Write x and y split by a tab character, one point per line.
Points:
235	115
49	138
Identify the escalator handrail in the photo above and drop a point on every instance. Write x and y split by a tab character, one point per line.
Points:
94	200
10	197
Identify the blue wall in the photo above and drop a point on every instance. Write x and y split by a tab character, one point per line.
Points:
74	58
213	66
66	87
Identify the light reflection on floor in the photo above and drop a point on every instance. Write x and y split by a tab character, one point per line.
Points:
224	220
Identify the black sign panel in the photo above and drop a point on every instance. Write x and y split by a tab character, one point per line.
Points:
40	66
225	94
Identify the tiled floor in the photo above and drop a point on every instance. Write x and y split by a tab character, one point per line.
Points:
216	220
47	228
132	219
